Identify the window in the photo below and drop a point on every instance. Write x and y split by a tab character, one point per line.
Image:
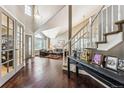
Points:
39	42
28	10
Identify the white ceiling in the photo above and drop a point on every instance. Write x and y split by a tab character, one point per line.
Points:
51	33
46	12
81	12
57	16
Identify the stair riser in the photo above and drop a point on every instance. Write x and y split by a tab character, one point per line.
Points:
112	40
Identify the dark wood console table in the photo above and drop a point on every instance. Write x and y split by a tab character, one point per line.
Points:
109	77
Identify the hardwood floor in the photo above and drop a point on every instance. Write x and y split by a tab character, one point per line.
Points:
48	73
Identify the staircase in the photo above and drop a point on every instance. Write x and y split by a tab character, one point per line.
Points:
112	38
101	40
90	37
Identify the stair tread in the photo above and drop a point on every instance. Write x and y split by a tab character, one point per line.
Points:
119	22
101	42
90	48
110	33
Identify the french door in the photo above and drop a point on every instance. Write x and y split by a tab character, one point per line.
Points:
7	65
11	46
19	46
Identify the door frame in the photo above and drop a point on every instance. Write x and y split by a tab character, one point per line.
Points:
27	46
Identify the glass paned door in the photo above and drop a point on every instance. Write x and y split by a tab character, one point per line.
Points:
7	46
19	46
11	46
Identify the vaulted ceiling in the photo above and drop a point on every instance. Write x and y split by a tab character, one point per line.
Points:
56	16
46	12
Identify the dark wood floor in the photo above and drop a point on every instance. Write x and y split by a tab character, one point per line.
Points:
48	73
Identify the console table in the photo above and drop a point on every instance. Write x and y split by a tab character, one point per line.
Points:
109	77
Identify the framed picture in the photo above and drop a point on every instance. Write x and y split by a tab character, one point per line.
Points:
86	55
111	62
83	55
121	64
97	59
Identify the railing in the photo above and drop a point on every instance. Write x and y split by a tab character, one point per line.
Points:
78	32
92	32
80	36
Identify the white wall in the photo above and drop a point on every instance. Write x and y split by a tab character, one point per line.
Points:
63	36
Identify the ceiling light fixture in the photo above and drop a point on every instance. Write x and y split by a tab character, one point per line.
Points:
36	13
